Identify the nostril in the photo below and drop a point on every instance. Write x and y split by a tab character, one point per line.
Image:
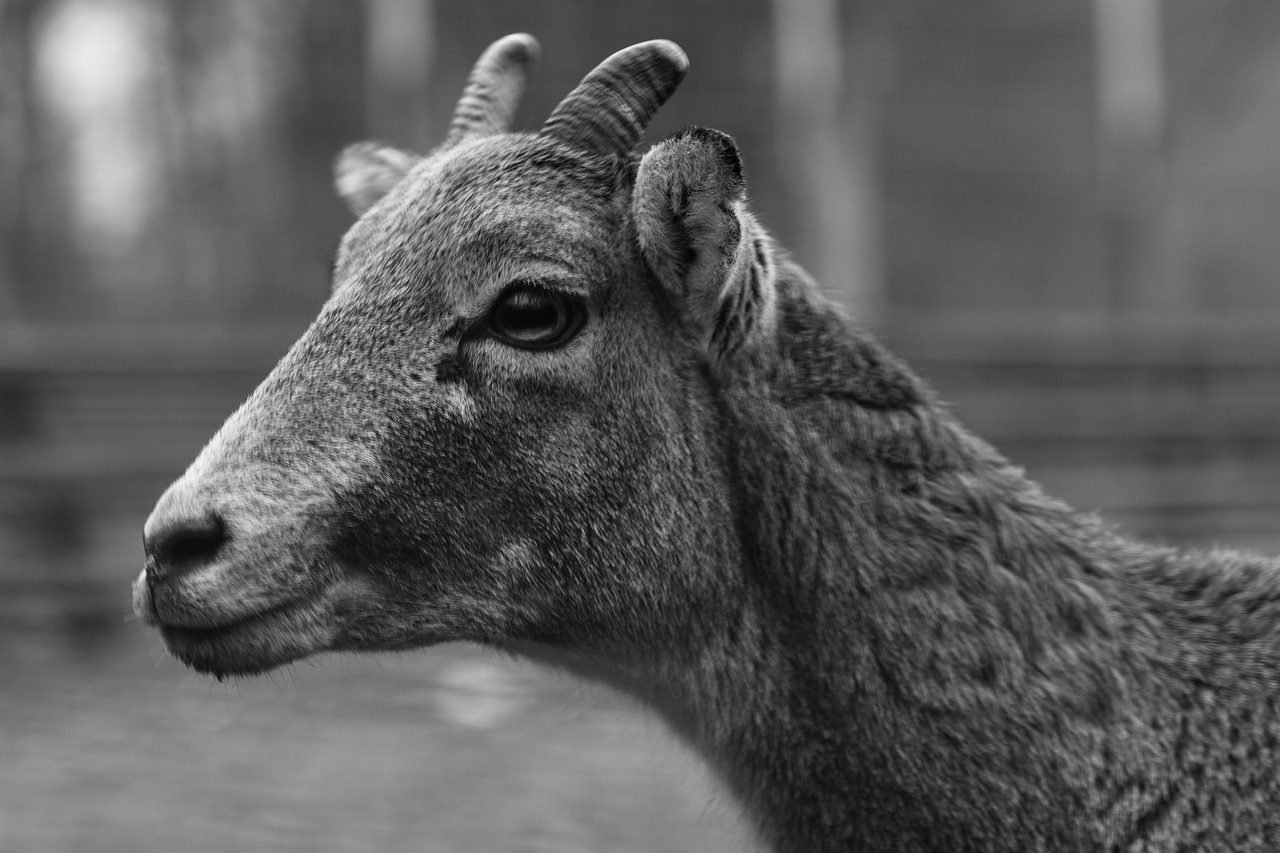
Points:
184	543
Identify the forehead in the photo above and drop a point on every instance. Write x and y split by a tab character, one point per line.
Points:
482	214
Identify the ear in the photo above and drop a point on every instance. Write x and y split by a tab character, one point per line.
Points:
367	171
701	242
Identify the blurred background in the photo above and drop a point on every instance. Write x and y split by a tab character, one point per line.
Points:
1064	213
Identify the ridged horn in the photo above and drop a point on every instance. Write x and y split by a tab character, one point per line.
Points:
488	103
610	109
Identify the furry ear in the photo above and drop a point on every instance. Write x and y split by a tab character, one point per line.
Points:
367	171
699	239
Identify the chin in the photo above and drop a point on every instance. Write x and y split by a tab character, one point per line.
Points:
248	648
244	643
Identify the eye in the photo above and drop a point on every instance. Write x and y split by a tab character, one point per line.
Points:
532	317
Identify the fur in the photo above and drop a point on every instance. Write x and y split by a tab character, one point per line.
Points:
724	499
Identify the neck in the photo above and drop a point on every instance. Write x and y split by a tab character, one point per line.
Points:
910	603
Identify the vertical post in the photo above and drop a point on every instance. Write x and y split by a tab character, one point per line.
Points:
16	136
827	138
1131	129
399	56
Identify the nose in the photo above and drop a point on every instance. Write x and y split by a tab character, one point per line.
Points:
182	544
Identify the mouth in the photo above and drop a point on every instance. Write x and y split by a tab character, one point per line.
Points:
253	644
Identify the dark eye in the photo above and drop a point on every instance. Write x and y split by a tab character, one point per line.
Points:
532	317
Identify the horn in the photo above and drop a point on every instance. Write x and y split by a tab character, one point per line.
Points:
611	107
494	88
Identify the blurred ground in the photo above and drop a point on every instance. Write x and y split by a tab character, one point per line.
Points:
446	750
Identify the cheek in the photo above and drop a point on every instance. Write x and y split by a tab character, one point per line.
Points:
460	478
449	492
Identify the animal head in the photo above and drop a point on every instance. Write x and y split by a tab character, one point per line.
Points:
503	425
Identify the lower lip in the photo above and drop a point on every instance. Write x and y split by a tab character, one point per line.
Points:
249	645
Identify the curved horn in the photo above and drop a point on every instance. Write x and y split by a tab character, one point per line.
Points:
611	107
494	88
